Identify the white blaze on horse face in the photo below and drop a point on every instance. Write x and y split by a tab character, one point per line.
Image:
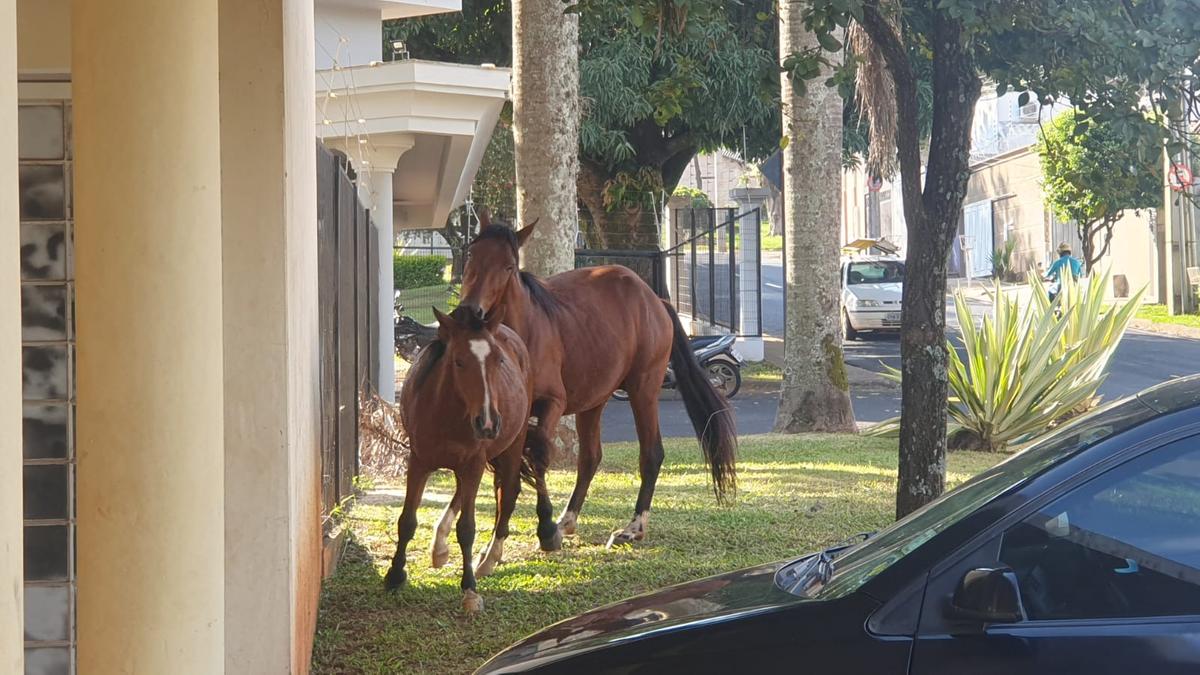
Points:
481	349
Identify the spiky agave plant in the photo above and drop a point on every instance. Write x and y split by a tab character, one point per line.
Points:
1028	367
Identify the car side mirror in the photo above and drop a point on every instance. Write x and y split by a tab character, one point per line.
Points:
988	595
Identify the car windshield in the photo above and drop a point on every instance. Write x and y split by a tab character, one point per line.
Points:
857	565
875	272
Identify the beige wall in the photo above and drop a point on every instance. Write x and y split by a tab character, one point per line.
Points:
1132	254
50	22
11	562
272	473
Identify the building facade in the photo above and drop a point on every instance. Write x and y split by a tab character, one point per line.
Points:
160	510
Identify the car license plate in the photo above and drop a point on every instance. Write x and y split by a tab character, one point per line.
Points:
892	316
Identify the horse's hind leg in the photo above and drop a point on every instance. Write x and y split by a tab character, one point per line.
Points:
587	424
468	485
406	526
548	412
440	550
644	399
508	486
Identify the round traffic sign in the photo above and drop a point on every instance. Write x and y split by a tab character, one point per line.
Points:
874	183
1180	177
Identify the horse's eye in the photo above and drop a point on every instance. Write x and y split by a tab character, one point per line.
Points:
510	268
458	363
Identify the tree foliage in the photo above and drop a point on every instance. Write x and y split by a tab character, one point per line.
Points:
1112	59
659	80
1092	176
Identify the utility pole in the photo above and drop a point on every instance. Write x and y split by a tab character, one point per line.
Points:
1178	205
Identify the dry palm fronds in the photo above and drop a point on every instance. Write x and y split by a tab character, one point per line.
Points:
383	444
875	92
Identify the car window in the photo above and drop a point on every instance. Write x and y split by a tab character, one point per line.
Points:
1126	544
863	562
875	272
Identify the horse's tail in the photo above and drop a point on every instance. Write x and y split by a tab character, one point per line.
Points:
711	414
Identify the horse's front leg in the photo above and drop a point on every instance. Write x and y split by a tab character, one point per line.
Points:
643	397
541	447
440	550
508	486
406	526
468	485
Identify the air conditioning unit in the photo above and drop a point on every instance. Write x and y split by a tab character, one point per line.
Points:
1030	111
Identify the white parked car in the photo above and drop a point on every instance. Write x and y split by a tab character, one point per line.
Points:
872	287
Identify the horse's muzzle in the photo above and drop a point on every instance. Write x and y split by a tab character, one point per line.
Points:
486	429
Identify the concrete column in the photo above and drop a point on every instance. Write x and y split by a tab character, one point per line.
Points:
271	348
377	160
147	190
749	268
11	562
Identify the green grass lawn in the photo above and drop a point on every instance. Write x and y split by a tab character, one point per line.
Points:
1158	314
769	243
762	371
419	301
796	494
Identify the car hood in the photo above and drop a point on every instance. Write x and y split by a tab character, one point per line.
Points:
889	291
695	603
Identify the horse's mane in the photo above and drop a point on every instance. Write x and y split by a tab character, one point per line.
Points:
542	297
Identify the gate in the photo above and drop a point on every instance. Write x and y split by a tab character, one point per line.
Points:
716	266
977	226
347	266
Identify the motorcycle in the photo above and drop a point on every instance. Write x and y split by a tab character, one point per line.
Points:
716	355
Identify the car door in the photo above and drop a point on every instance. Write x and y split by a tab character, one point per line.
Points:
1107	575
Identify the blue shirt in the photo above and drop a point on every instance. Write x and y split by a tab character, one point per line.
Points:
1056	268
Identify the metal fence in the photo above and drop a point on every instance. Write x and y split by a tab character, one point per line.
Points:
715	267
347	272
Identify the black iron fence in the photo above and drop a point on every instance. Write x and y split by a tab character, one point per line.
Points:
347	272
714	267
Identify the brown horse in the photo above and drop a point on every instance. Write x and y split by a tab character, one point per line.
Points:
465	405
589	332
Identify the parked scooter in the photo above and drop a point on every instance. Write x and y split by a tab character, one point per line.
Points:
714	353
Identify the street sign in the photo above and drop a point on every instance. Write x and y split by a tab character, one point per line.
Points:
1180	177
874	183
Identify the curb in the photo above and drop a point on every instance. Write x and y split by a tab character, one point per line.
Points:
1171	329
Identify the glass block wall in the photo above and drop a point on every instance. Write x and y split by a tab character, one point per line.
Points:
48	337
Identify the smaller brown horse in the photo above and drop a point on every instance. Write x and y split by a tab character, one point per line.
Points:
465	405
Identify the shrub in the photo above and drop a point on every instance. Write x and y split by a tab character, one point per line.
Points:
418	271
1028	368
699	198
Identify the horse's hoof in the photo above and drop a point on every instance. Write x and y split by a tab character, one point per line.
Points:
484	567
623	538
439	557
553	542
472	603
395	578
566	524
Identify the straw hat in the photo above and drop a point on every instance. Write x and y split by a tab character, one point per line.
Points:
1064	247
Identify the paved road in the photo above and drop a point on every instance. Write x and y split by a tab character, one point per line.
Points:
1141	360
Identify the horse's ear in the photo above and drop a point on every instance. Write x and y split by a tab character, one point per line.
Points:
445	324
524	232
485	217
494	319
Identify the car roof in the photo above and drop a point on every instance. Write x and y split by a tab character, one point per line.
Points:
1173	395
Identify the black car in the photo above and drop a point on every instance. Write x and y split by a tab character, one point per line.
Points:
1080	554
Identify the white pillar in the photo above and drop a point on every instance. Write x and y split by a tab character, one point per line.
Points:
382	215
11	537
150	422
271	339
377	159
749	269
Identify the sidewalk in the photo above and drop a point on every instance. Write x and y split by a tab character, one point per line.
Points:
859	378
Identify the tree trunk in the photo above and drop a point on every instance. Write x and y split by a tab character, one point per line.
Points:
815	395
932	218
546	131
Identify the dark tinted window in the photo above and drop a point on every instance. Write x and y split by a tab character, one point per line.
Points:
1126	544
875	272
